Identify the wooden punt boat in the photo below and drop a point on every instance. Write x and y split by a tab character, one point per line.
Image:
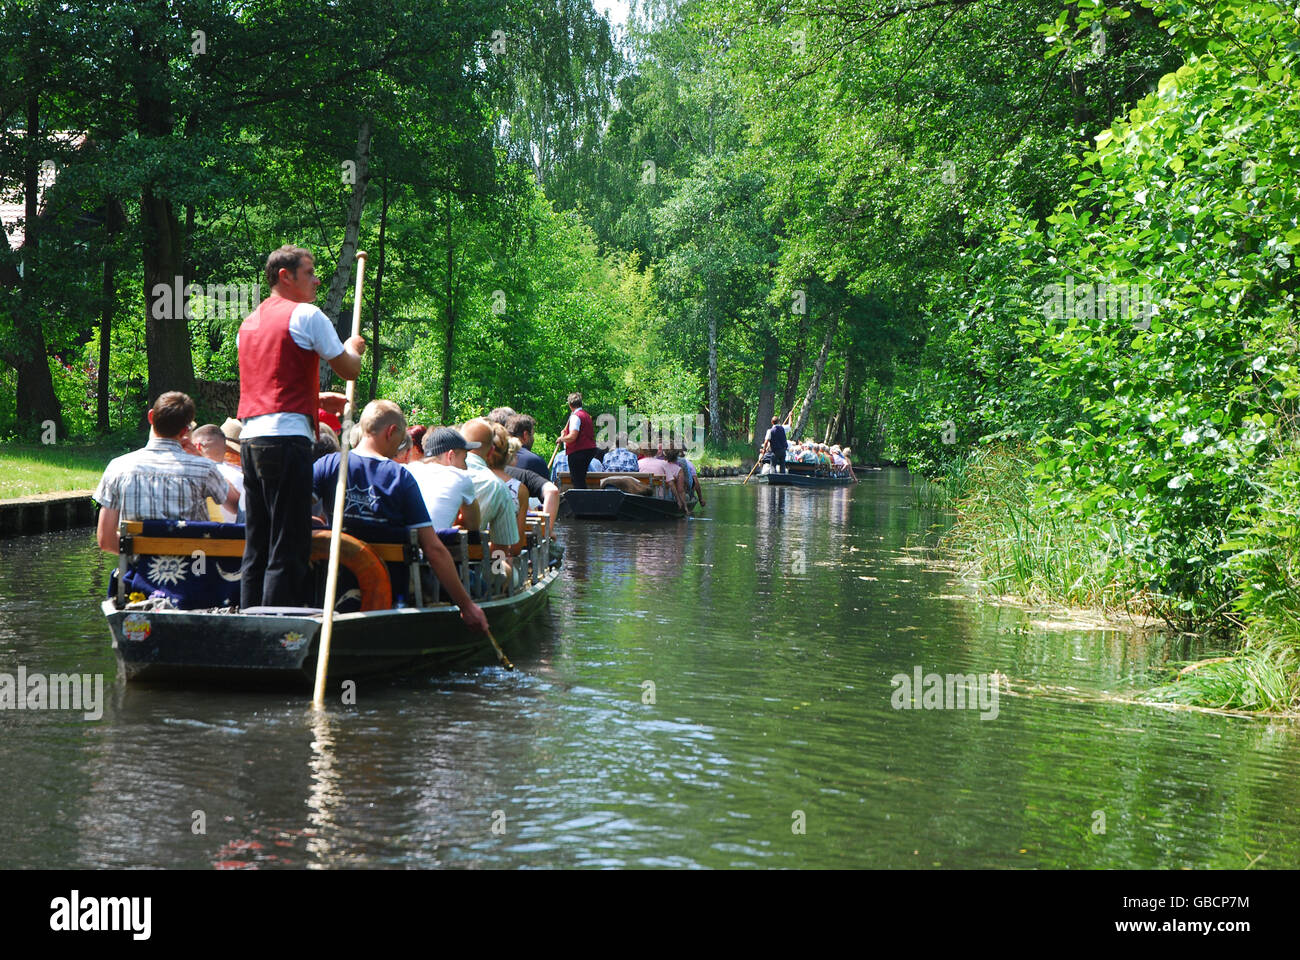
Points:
268	646
805	475
609	503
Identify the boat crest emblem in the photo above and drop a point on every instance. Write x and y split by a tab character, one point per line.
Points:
136	628
291	640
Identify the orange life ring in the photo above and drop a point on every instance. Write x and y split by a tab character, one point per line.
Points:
370	571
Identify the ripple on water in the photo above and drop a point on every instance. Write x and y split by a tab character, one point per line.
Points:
772	679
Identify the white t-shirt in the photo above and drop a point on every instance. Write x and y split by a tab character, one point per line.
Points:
445	489
311	330
236	477
575	424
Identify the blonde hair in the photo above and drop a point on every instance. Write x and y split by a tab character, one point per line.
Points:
515	446
495	453
379	415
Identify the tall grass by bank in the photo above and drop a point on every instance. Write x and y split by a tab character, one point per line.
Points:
1015	546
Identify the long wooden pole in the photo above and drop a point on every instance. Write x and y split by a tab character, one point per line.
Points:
563	427
336	529
755	466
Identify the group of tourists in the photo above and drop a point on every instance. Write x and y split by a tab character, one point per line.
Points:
581	456
277	466
778	451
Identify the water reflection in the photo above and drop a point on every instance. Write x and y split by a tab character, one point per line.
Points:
771	677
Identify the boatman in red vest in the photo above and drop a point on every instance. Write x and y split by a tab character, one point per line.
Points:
281	344
579	439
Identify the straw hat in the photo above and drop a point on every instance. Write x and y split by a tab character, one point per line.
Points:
231	430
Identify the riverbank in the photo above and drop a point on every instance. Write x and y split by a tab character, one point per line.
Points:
1013	547
33	469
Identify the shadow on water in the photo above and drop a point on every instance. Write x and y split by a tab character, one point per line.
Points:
695	695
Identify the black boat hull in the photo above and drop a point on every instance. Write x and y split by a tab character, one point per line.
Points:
250	650
804	480
613	504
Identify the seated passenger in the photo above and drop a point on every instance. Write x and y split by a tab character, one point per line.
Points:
848	464
444	481
838	463
212	443
620	459
519	493
692	481
498	511
380	490
540	489
523	427
671	473
164	480
231	430
327	442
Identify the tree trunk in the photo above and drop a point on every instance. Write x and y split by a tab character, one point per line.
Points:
837	421
796	367
767	386
36	401
347	255
715	415
113	217
167	337
818	369
379	289
449	334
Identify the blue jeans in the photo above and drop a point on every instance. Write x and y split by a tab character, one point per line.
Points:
277	531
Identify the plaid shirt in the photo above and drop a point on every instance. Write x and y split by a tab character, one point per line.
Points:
620	459
161	482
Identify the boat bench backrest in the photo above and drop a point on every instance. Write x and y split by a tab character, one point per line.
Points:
594	478
196	565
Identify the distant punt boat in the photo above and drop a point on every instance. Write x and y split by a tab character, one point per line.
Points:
610	503
804	475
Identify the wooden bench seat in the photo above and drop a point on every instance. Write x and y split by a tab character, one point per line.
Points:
594	478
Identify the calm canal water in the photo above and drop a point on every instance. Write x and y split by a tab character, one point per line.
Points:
770	632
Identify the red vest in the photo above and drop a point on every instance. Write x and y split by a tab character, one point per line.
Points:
275	374
586	433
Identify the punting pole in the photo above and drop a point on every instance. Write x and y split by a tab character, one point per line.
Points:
501	654
336	529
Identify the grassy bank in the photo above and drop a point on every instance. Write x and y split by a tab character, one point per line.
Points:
27	468
727	455
1011	544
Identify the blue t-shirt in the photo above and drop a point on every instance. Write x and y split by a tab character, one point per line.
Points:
379	490
527	460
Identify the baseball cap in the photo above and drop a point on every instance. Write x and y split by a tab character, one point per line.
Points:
437	442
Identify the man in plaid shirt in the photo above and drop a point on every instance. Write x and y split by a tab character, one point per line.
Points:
164	480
